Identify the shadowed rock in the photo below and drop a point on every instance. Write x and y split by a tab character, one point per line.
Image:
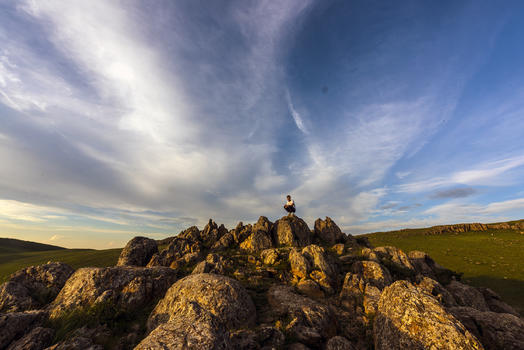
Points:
466	295
494	330
33	287
137	252
409	318
326	231
38	338
14	325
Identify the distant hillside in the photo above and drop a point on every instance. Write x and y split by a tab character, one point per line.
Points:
11	245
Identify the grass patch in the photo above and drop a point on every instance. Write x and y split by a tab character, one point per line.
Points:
490	258
76	258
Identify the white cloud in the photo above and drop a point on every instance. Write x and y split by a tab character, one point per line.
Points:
296	116
56	237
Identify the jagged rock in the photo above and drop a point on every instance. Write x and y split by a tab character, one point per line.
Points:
225	242
352	292
76	343
270	337
320	260
311	322
298	346
394	257
494	302
257	241
212	233
458	228
241	232
339	248
178	247
409	318
363	241
339	343
263	224
191	234
269	256
438	291
373	273
426	266
137	252
33	287
310	288
494	330
327	231
214	263
222	296
190	327
323	280
291	230
300	266
124	287
38	338
15	324
371	298
465	295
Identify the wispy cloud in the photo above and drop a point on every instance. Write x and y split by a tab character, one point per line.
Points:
296	116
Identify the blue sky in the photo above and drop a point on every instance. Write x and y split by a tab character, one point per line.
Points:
120	118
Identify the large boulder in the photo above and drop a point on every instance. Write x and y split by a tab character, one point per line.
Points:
14	325
494	330
38	338
123	288
191	327
326	231
33	287
137	252
466	295
373	273
291	230
437	290
256	242
300	266
409	318
395	260
311	322
221	296
495	303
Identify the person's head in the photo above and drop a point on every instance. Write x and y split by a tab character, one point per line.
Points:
288	197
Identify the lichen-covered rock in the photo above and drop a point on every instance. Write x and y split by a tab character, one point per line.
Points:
191	327
178	247
291	230
33	287
438	291
225	242
212	233
300	266
311	322
327	231
395	257
257	241
339	248
466	295
321	260
339	343
214	263
409	318
269	256
494	330
310	288
126	288
38	338
373	273
222	296
494	302
371	298
15	324
137	252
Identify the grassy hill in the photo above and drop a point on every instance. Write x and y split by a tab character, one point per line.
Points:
491	258
16	254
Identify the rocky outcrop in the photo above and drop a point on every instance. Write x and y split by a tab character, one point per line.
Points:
191	327
495	303
494	330
123	288
458	228
256	242
373	273
16	324
38	338
222	296
465	295
424	265
181	250
270	256
437	290
33	287
409	318
327	232
310	322
291	230
137	252
395	260
212	233
213	263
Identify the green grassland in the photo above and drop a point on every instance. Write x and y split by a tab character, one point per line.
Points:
492	258
15	255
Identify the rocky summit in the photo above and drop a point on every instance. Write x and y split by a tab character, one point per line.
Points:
266	285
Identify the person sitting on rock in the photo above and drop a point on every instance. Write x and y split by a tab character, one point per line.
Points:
290	205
